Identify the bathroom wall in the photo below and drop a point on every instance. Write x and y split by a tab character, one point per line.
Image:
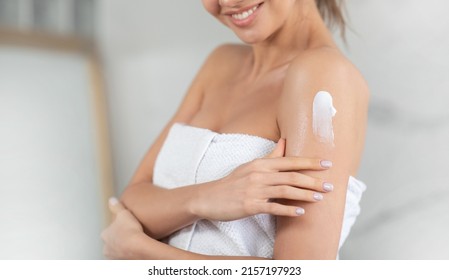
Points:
401	48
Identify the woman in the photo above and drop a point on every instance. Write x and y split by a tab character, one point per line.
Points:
215	185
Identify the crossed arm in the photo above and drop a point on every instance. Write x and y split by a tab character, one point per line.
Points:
314	235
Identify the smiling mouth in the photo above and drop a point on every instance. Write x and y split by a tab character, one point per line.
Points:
244	15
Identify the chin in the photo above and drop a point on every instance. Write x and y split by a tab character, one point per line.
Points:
251	37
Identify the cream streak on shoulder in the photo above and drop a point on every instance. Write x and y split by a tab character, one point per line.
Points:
323	113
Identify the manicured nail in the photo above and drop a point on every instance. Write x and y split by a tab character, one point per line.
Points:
328	187
113	201
317	196
326	163
300	211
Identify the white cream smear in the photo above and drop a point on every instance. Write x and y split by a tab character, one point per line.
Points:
323	113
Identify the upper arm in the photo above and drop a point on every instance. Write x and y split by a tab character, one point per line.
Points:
316	234
189	106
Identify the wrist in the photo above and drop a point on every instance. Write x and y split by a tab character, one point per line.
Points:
138	243
195	202
197	206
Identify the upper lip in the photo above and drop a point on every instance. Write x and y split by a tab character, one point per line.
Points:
241	10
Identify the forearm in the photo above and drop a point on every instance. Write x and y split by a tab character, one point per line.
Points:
162	211
151	249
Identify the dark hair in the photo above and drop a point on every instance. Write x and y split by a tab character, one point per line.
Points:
332	13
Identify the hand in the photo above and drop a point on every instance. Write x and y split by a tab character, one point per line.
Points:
125	239
253	187
121	239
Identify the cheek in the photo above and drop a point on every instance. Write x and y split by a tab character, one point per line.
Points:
281	10
212	7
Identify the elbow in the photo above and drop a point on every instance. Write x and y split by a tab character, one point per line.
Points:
127	196
133	195
133	200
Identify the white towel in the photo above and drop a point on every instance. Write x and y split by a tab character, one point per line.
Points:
192	155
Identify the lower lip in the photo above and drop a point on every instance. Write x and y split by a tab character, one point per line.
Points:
247	21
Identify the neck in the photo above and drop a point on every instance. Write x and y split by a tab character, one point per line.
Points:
303	30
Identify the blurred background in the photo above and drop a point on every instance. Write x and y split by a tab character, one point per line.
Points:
86	86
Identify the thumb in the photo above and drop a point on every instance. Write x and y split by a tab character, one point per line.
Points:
279	150
115	206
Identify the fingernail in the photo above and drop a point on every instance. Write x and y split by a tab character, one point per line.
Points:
317	196
326	163
113	201
300	211
328	187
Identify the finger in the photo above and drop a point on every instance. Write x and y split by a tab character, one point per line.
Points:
292	193
278	209
299	180
297	163
279	150
115	206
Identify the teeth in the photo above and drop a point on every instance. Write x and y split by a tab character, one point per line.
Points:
245	14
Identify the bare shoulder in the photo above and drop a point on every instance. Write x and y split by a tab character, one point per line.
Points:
325	69
343	120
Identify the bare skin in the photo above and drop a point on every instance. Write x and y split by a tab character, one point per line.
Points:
263	89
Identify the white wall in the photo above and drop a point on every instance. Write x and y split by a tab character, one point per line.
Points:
400	47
